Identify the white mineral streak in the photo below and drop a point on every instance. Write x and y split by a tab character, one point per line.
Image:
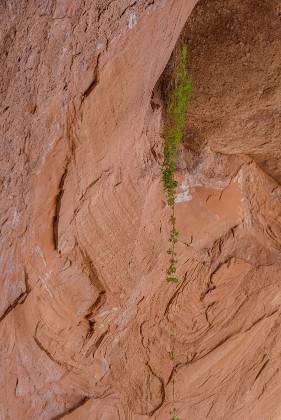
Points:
132	21
184	195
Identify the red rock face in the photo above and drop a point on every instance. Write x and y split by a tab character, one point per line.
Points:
86	317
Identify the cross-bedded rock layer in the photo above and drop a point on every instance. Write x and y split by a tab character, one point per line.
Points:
86	316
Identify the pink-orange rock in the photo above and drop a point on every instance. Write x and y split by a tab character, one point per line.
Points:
87	320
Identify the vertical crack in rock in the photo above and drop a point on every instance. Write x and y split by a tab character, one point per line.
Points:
94	81
58	207
162	391
93	275
100	339
100	301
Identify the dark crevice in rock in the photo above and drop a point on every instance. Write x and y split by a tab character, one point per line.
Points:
19	300
70	410
94	81
58	207
49	355
162	390
100	339
149	4
261	369
174	296
142	335
91	329
128	7
100	301
91	271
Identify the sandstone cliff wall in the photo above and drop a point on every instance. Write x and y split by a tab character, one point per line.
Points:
85	314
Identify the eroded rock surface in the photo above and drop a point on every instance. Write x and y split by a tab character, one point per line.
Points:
86	318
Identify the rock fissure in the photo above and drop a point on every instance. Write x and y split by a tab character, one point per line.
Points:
58	202
94	81
82	401
49	355
127	8
84	86
19	301
162	391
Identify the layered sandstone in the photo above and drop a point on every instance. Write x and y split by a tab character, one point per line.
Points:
87	319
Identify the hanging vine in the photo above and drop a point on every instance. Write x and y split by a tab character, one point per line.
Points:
172	136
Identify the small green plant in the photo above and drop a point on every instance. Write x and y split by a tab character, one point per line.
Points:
172	136
175	417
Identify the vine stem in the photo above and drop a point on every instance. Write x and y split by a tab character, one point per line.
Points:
173	215
173	136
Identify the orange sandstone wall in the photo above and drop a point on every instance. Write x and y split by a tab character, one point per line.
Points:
85	314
